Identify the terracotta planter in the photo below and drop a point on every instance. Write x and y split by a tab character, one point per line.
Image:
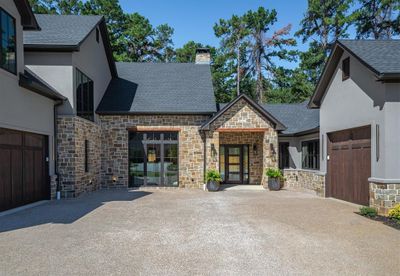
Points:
274	184
212	186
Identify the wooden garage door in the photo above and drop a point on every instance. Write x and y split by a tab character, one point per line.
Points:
349	165
23	168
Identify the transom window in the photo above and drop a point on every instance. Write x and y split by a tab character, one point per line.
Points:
310	155
8	54
84	96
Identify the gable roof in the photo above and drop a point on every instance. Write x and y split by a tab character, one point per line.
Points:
28	20
380	56
297	117
67	33
277	124
159	88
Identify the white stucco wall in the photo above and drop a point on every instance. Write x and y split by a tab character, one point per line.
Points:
360	101
295	148
21	109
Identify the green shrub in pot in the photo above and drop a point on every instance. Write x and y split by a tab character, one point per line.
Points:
275	179
213	179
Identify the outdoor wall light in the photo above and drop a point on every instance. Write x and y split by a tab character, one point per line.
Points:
272	148
114	179
255	149
213	150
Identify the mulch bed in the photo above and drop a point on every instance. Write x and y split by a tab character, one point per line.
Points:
385	220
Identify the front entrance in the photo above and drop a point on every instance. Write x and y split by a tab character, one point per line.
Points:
234	164
153	159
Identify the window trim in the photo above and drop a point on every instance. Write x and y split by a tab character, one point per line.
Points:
345	71
318	163
15	41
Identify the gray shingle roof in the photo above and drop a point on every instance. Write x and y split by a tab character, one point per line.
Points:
381	55
296	117
160	88
61	30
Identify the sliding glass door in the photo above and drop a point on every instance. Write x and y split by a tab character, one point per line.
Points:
153	159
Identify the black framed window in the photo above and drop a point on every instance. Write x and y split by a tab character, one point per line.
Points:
84	96
284	155
86	156
8	45
310	154
346	68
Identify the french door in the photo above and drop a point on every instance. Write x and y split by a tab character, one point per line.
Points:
153	159
234	164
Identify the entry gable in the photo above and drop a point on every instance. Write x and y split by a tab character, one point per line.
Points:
242	114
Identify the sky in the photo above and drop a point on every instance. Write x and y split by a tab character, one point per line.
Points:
194	20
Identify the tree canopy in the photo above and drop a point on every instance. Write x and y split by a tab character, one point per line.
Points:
252	45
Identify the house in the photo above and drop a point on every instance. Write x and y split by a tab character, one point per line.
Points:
359	101
107	125
26	115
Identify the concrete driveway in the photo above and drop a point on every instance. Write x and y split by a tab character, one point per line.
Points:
191	232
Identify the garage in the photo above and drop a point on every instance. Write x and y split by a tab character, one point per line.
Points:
349	165
24	174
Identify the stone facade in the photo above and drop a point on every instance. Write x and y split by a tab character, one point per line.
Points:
72	132
115	135
254	140
383	197
244	125
305	179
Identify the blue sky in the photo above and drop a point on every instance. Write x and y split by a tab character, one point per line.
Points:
194	20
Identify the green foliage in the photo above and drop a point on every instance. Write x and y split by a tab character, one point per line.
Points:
213	175
274	173
394	213
378	19
368	212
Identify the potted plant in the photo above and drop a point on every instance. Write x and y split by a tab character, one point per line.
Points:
275	179
213	178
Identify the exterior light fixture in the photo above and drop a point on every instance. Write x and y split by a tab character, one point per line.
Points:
255	149
114	179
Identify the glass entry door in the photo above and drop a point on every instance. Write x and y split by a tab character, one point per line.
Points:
234	164
153	159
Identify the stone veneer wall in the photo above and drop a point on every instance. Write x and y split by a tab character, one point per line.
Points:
383	197
255	157
115	134
71	136
305	179
243	116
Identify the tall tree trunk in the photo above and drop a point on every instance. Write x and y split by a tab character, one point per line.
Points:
238	72
260	98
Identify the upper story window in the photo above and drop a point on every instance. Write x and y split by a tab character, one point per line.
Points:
8	51
346	68
84	96
310	155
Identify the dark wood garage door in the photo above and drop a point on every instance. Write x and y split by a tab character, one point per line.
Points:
349	165
23	168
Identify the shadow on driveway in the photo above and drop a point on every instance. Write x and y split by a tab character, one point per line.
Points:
65	211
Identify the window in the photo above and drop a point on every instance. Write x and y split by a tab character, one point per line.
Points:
310	155
284	155
346	68
86	156
8	57
97	35
84	96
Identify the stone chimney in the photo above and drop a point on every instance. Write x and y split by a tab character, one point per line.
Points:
203	56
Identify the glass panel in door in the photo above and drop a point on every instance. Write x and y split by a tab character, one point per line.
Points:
234	164
170	165
153	154
136	160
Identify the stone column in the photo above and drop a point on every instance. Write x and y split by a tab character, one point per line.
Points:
270	152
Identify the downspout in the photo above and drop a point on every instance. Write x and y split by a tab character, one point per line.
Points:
58	186
205	159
